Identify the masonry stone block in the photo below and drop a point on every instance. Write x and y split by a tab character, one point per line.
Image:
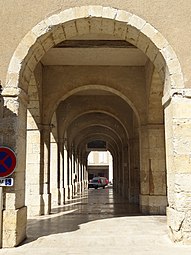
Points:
148	31
186	225
81	12
41	28
174	219
47	43
120	30
159	62
132	35
54	20
123	16
122	25
70	29
14	226
58	35
15	65
83	26
32	62
137	22
173	65
152	51
107	26
67	15
109	13
143	42
176	80
162	74
40	49
95	11
95	25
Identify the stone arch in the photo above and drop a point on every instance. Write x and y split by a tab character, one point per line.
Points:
84	20
125	130
98	87
92	19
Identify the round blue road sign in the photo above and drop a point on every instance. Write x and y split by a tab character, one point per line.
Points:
7	162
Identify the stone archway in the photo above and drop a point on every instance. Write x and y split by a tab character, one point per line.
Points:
129	27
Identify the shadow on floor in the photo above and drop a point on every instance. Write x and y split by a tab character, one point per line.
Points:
93	205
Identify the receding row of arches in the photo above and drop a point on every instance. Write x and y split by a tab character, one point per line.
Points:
59	100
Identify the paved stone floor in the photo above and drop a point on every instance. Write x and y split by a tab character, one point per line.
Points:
97	223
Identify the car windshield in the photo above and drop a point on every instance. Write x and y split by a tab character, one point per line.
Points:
95	180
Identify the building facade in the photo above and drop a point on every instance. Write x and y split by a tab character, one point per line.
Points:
100	163
73	72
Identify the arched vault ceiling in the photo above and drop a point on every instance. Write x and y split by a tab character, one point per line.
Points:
112	145
92	129
95	119
75	106
92	132
60	82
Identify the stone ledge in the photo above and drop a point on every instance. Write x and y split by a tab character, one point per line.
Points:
181	93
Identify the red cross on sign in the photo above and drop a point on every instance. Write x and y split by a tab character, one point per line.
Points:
7	162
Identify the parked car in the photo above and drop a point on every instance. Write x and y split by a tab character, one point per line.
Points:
98	182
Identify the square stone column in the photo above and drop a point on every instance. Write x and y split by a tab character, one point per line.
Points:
153	170
126	169
134	174
55	174
45	170
14	136
178	153
33	172
144	170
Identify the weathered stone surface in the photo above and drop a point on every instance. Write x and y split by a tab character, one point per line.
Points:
14	226
130	95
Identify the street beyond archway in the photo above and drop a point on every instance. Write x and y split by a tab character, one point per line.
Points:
98	222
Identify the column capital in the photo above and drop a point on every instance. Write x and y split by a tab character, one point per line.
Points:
175	93
12	92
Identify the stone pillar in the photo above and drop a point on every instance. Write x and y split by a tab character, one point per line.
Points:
73	172
14	136
122	166
33	162
125	172
45	170
33	198
157	170
118	173
144	170
84	173
121	173
54	172
76	186
153	170
114	174
178	152
65	173
80	172
60	173
134	173
69	175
